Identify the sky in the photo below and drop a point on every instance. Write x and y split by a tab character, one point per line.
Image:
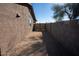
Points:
43	12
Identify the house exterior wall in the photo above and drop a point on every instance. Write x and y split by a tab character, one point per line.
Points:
13	28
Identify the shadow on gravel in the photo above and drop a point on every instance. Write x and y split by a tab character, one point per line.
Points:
32	48
36	46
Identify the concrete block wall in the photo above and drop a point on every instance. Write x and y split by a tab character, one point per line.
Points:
40	27
66	33
13	28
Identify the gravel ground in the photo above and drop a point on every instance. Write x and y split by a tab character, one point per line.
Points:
32	45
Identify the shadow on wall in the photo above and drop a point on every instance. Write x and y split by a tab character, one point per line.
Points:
55	48
64	38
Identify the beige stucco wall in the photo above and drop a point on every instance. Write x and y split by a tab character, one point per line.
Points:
13	29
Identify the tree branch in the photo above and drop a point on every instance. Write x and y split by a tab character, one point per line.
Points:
69	15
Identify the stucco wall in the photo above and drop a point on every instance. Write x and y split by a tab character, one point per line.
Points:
12	28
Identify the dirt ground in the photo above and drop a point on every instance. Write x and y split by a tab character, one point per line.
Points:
32	45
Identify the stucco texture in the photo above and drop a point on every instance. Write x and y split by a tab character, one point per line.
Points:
13	28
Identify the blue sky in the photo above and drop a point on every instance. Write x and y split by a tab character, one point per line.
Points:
43	12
